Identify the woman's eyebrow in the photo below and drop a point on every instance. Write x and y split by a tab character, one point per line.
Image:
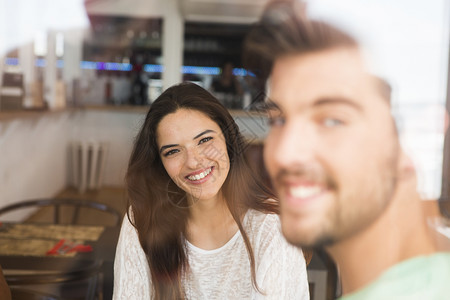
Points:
167	146
196	137
203	132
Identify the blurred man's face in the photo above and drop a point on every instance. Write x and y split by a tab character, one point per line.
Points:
332	151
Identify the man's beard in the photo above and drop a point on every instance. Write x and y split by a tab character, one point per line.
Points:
346	215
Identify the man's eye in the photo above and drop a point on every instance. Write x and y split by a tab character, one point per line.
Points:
276	121
171	152
204	140
331	122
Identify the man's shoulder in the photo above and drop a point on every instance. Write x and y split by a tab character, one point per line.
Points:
422	277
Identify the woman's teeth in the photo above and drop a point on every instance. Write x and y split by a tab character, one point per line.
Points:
200	176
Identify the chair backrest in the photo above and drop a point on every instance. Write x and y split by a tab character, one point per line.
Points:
18	293
59	203
323	277
82	280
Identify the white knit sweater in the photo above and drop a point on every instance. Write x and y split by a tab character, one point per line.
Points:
222	273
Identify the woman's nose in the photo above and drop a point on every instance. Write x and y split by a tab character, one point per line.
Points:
194	159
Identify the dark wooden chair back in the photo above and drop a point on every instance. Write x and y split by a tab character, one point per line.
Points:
59	203
18	293
323	277
82	281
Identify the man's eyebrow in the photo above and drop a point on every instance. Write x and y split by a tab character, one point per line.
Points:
269	104
202	133
337	101
196	137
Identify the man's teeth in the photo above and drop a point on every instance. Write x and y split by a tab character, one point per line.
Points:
200	176
305	191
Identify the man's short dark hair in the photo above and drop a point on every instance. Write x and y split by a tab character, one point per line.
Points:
284	30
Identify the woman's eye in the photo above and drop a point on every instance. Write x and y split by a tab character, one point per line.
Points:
276	121
204	140
331	122
171	152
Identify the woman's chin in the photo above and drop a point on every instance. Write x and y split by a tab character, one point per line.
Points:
202	194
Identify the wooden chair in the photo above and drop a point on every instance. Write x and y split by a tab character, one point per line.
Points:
80	282
323	277
59	204
18	293
66	278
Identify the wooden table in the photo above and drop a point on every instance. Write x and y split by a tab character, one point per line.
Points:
103	247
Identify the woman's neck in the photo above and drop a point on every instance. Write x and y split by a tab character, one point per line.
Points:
210	224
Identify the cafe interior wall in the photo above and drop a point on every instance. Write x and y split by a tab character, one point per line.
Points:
34	150
34	160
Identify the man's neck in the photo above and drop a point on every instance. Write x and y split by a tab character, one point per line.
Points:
400	233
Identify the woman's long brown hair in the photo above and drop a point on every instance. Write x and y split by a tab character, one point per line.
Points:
159	208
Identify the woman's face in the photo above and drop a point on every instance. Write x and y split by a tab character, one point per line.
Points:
194	153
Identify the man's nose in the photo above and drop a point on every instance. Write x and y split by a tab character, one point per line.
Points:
295	144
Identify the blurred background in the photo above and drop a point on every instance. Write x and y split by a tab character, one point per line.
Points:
77	78
81	74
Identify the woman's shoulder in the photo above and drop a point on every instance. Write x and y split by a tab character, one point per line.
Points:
261	225
127	230
264	231
256	217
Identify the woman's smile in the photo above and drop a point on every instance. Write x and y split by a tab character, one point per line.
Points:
201	176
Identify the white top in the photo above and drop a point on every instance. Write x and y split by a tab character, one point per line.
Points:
222	273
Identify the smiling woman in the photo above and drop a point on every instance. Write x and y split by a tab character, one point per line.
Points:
197	164
200	224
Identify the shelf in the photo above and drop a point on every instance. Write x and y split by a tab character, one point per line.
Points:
212	52
216	30
116	37
145	108
6	116
210	44
122	45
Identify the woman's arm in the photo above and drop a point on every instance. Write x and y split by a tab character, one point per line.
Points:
131	270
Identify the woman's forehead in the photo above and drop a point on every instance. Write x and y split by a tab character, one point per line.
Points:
186	123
